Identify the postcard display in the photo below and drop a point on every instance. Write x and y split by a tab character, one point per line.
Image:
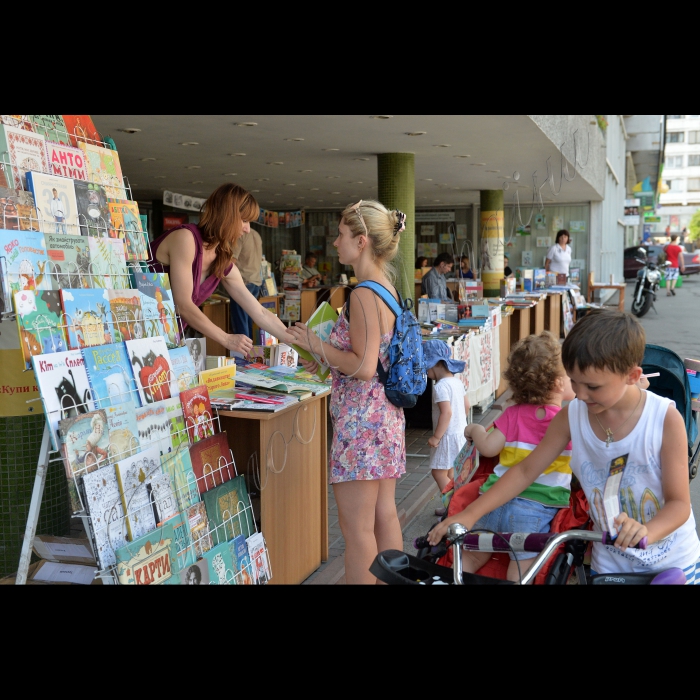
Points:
149	470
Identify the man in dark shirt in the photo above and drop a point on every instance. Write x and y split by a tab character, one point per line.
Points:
434	282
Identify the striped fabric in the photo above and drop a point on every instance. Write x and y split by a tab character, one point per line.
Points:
692	574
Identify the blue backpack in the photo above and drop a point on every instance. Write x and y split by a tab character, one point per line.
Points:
407	378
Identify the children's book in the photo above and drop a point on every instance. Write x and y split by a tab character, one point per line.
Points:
123	430
198	350
68	264
152	368
184	551
148	560
51	126
229	510
103	504
196	408
183	367
158	306
87	317
125	305
17	210
198	522
220	382
104	169
64	386
210	461
196	574
258	556
540	278
178	465
55	201
126	225
25	150
108	264
270	286
153	427
321	323
40	323
109	371
24	264
176	418
94	218
80	128
242	566
65	160
220	565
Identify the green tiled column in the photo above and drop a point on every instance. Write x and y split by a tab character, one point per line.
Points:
491	241
396	190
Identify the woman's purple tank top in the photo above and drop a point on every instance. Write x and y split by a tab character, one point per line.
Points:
200	292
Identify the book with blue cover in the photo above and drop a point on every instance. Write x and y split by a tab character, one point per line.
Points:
40	323
157	305
220	565
183	367
184	549
87	317
242	566
25	264
109	371
149	560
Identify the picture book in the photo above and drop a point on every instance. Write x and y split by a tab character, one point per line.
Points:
321	322
40	323
152	368
575	275
87	317
277	381
104	168
50	126
24	265
210	461
229	510
68	265
256	400
196	574
153	427
183	367
125	305
80	128
25	151
107	263
63	384
178	465
149	560
198	522
198	350
258	556
126	225
158	306
242	566
270	286
94	218
539	278
17	210
109	372
103	504
55	201
220	382
196	408
176	418
184	551
220	565
66	161
123	430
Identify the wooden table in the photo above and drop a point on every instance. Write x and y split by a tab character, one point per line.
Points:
291	449
219	313
519	325
593	286
537	317
552	314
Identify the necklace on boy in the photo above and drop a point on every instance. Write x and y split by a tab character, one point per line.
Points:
609	433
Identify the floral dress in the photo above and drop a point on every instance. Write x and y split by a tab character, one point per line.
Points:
368	430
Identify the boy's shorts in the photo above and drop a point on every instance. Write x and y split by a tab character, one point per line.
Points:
519	515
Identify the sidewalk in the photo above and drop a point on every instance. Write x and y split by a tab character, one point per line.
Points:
416	492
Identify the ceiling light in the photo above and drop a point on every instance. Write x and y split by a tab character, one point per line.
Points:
190	143
301	197
255	190
357	182
159	177
290	184
477	163
245	123
427	179
332	177
462	156
441	145
276	162
194	182
198	191
493	171
436	200
130	131
237	154
294	139
227	174
319	200
263	179
381	116
415	133
193	167
145	159
360	158
306	171
330	149
335	192
314	189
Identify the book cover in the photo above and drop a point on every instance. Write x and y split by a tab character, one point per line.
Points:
103	504
80	128
68	264
270	286
109	372
220	382
196	574
257	400
25	151
540	278
51	126
65	160
104	169
64	386
150	360
242	566
108	264
220	565
196	408
210	461
123	430
40	323
87	317
153	427
198	523
198	350
55	201
258	556
229	510
158	306
24	265
321	323
176	418
126	225
17	210
184	550
183	367
125	305
178	465
149	560
94	218
561	278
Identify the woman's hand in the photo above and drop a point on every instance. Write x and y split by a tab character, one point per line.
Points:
239	343
311	367
305	338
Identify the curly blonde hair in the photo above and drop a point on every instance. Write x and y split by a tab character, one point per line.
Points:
534	365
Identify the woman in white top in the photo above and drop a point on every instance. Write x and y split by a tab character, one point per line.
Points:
559	255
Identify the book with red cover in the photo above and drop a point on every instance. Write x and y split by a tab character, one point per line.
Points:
196	410
80	128
210	461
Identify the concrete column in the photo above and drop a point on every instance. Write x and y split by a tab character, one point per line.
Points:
491	241
396	190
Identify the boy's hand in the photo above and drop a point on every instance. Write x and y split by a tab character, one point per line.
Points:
630	532
433	441
440	530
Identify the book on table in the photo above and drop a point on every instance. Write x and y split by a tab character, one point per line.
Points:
220	383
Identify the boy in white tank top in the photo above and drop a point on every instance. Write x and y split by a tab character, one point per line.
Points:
623	437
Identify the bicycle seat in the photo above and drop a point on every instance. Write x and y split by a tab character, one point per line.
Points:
669	577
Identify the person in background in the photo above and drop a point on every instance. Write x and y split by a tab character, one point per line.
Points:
434	282
421	261
247	255
559	255
465	270
507	272
674	255
310	276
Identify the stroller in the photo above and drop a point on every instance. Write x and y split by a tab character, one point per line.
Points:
563	550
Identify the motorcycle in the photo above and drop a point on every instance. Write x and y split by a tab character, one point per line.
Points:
648	279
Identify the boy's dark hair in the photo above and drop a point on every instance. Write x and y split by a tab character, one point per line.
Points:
443	258
534	365
604	339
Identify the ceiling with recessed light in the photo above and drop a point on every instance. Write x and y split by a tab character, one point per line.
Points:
326	161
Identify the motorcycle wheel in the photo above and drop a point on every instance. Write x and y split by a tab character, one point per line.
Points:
641	307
